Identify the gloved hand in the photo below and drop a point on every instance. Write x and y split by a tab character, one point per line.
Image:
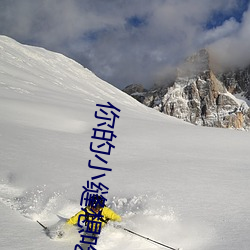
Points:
60	233
62	230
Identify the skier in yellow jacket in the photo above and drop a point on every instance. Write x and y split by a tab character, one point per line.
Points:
95	216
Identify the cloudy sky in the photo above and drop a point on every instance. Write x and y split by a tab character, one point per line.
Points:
131	41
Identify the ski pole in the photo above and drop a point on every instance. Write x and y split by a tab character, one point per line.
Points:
149	239
45	228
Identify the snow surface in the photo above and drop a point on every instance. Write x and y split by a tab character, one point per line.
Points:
183	185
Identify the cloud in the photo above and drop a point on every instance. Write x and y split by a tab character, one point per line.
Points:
233	49
228	28
121	41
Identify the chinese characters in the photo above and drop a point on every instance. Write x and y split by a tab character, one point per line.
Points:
92	195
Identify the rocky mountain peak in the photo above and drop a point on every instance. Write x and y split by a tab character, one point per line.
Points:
200	96
197	64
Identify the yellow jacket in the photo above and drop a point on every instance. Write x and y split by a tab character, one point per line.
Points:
107	213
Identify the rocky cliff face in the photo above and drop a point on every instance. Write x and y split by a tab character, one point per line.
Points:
237	81
199	96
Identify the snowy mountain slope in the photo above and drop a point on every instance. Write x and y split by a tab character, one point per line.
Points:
182	185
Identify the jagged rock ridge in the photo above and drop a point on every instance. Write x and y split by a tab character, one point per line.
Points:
201	97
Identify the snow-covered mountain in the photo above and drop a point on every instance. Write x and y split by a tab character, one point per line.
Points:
201	96
182	185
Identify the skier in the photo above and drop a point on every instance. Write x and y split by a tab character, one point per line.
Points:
95	214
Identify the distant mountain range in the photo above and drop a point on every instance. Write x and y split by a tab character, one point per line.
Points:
201	94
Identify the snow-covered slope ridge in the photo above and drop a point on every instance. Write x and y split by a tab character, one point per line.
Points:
31	73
